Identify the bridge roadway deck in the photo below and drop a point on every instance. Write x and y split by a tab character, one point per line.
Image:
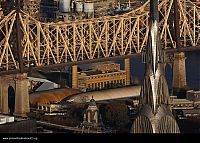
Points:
63	65
57	45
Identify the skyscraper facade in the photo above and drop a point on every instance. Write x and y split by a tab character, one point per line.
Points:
154	115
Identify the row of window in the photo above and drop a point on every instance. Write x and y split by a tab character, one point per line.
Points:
197	96
183	105
193	96
44	108
107	75
106	83
197	105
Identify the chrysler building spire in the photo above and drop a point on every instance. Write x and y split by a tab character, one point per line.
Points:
155	90
154	112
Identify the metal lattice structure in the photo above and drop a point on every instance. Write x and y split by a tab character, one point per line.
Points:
46	44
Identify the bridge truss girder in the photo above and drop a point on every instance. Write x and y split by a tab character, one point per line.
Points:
47	44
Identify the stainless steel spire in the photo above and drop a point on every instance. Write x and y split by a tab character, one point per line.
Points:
154	115
153	94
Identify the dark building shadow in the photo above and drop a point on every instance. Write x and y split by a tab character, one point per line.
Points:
11	99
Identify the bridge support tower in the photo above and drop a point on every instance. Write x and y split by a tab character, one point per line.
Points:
179	72
19	83
127	69
75	76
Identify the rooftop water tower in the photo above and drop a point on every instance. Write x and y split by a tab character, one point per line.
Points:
89	9
64	6
79	6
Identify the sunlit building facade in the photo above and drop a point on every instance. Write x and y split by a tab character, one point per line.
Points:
102	77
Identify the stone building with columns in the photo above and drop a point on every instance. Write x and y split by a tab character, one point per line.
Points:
103	76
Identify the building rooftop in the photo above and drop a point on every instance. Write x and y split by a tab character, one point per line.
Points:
51	96
96	72
129	91
181	101
92	72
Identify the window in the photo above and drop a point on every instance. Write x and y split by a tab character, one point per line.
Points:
92	85
44	107
48	108
95	85
40	107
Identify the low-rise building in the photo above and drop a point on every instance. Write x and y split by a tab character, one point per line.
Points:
182	104
102	77
193	95
6	119
11	124
191	113
192	101
49	107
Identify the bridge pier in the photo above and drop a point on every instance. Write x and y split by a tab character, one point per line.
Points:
19	83
179	72
22	95
127	69
5	82
75	76
3	97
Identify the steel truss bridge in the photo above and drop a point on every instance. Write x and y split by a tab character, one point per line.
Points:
49	44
